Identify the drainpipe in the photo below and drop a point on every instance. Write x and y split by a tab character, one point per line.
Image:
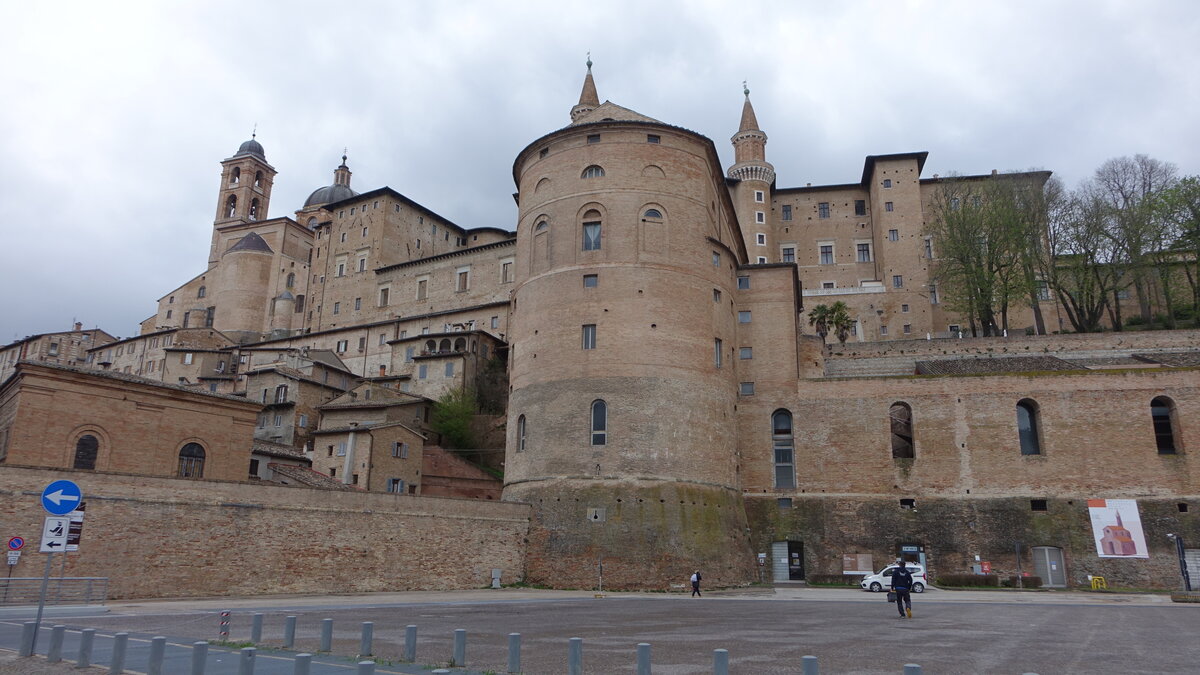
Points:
347	473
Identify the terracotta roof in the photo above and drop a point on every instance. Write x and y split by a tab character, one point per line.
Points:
308	477
270	449
1008	364
134	379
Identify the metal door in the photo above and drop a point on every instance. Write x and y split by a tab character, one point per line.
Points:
1192	557
795	561
1048	564
779	561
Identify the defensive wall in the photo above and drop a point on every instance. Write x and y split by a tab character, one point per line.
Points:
168	537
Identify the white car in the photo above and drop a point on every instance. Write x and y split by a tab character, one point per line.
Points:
882	580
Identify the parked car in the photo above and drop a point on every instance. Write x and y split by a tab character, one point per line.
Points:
882	580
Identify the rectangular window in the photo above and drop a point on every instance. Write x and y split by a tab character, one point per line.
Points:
303	422
591	236
762	260
337	307
760	239
408	354
883	330
506	272
887	206
760	217
593	138
907	328
746	388
450	369
187	359
860	207
716	259
785	475
341	269
744	317
904	308
589	336
717	352
864	252
279	420
591	280
382	339
743	283
887	182
341	450
400	450
463	280
826	254
357	304
789	254
823	210
384	294
342	346
929	247
362	343
422	371
395	485
787	211
893	235
716	295
933	296
897	281
653	138
1043	290
758	196
828	284
362	264
746	353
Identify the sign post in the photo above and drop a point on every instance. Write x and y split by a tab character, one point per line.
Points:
58	499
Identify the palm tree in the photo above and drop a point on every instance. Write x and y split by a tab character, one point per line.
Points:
819	318
835	318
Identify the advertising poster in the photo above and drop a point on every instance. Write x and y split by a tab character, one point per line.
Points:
1117	528
857	563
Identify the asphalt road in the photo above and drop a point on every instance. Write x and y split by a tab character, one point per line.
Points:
765	631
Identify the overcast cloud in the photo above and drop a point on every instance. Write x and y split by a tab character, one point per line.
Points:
117	114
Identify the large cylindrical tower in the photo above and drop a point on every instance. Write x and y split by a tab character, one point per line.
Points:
621	416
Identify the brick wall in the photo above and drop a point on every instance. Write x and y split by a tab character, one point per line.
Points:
163	537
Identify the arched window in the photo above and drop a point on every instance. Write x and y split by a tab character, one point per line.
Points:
291	279
191	461
460	345
599	422
521	434
258	179
254	209
430	346
235	176
444	345
593	171
591	230
541	227
1027	427
230	206
902	431
782	441
1162	412
86	450
201	292
652	214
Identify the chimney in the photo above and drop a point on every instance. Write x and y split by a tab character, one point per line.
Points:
78	326
994	172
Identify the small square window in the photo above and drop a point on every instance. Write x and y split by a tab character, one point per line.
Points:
762	260
887	182
893	235
746	353
760	239
653	138
593	138
1037	505
784	502
903	308
828	284
908	503
760	217
758	196
1182	506
907	328
897	281
789	255
746	388
591	280
543	152
883	330
823	210
887	206
744	317
743	283
860	207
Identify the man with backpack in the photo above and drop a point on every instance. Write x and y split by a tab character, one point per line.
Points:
902	582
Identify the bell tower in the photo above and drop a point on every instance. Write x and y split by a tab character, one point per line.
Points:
245	192
754	174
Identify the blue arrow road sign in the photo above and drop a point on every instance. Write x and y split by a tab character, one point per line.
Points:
61	497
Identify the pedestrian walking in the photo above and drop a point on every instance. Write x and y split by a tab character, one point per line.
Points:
696	584
902	582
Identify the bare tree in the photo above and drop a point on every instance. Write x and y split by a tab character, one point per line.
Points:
1081	267
1179	207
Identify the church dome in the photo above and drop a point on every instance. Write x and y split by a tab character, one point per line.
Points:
251	147
329	194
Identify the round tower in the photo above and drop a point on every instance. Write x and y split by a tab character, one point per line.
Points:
754	179
240	303
621	424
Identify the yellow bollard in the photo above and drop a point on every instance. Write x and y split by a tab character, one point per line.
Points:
1099	583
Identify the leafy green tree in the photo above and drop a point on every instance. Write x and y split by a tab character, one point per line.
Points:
833	318
452	416
1081	266
1179	207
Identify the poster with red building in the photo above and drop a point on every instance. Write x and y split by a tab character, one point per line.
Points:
1117	528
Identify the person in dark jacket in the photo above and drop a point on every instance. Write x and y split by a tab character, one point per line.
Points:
696	584
902	582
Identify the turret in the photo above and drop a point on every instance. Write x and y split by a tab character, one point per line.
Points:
589	100
245	192
755	178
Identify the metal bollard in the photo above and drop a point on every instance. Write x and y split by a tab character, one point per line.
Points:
366	668
460	647
912	669
158	651
808	665
86	638
720	662
326	635
256	628
364	643
289	632
28	630
223	631
410	643
302	665
514	652
120	642
643	658
575	656
246	661
199	657
54	652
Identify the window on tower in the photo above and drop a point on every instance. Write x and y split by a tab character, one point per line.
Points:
254	209
593	171
258	177
235	176
591	232
230	206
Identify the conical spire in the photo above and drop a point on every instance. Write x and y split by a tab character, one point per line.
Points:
749	121
589	100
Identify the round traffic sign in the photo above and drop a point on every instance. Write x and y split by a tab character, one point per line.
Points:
16	543
61	497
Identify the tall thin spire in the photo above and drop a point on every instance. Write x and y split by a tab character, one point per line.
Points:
589	100
749	147
749	121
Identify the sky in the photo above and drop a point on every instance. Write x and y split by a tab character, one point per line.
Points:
116	114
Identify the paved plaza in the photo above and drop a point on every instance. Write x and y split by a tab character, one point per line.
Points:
765	631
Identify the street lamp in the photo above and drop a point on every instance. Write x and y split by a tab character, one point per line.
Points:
1183	569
